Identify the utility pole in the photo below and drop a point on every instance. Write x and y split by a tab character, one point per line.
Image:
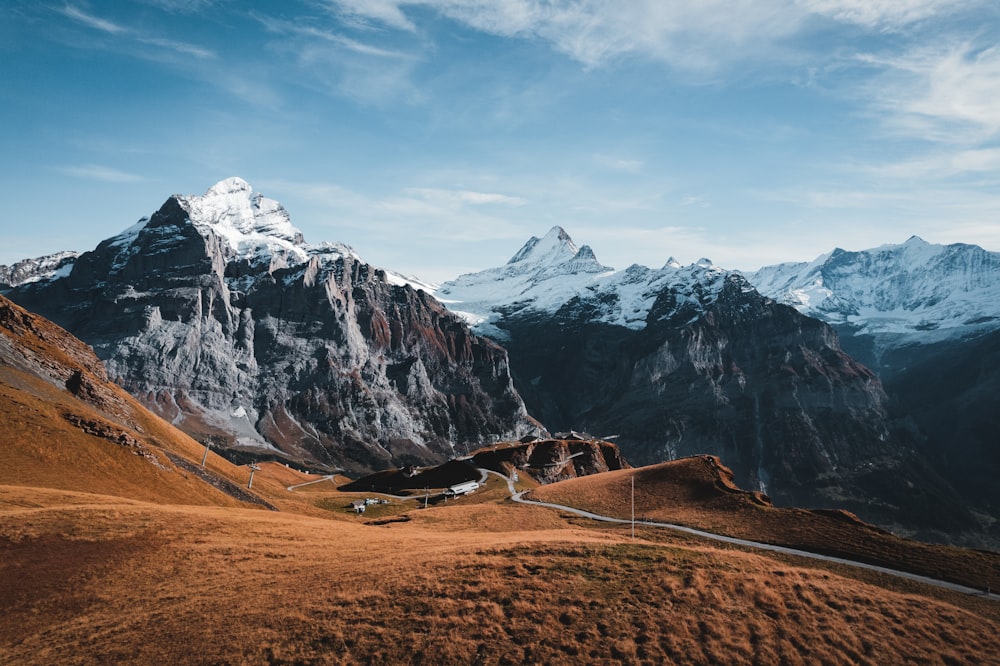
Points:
633	508
208	445
253	468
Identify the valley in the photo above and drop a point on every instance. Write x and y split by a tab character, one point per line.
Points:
95	578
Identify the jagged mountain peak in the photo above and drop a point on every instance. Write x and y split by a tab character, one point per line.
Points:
39	268
906	289
550	273
250	223
216	313
231	185
553	248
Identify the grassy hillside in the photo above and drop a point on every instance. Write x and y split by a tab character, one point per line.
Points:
117	547
94	579
699	492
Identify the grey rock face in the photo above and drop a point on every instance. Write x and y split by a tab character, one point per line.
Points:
763	387
219	317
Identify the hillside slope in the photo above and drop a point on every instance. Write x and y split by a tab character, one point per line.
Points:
65	426
699	492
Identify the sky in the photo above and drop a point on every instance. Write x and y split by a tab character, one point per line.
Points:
436	136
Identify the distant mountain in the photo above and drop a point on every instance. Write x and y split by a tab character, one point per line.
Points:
549	272
29	270
686	360
217	314
888	298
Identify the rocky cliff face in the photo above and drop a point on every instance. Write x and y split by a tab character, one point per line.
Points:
218	315
754	382
692	360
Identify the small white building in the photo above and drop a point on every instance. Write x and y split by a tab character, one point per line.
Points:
463	488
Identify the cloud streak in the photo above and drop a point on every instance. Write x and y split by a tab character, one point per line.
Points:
884	14
92	21
101	173
111	28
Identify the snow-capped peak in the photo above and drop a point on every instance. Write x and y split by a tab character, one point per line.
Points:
554	248
906	289
231	185
550	272
251	224
48	267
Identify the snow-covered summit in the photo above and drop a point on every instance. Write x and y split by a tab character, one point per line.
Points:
548	273
908	289
244	225
553	254
48	267
251	224
241	224
555	247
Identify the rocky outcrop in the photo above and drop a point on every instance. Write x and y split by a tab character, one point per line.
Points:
218	316
552	460
544	460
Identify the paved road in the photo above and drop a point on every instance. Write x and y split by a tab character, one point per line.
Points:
309	483
518	497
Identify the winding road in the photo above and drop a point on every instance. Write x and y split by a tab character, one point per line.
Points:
954	587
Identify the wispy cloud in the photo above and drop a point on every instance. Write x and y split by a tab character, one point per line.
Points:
181	6
362	12
136	36
594	32
697	201
944	94
179	47
91	21
883	14
463	197
101	173
619	163
302	29
941	164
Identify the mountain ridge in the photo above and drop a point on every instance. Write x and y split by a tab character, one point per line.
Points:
692	359
895	294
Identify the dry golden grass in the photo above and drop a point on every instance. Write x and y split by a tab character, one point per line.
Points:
87	579
698	492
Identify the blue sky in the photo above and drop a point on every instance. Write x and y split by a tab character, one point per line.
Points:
436	136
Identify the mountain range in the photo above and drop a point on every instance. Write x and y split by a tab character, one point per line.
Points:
694	359
806	379
886	300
